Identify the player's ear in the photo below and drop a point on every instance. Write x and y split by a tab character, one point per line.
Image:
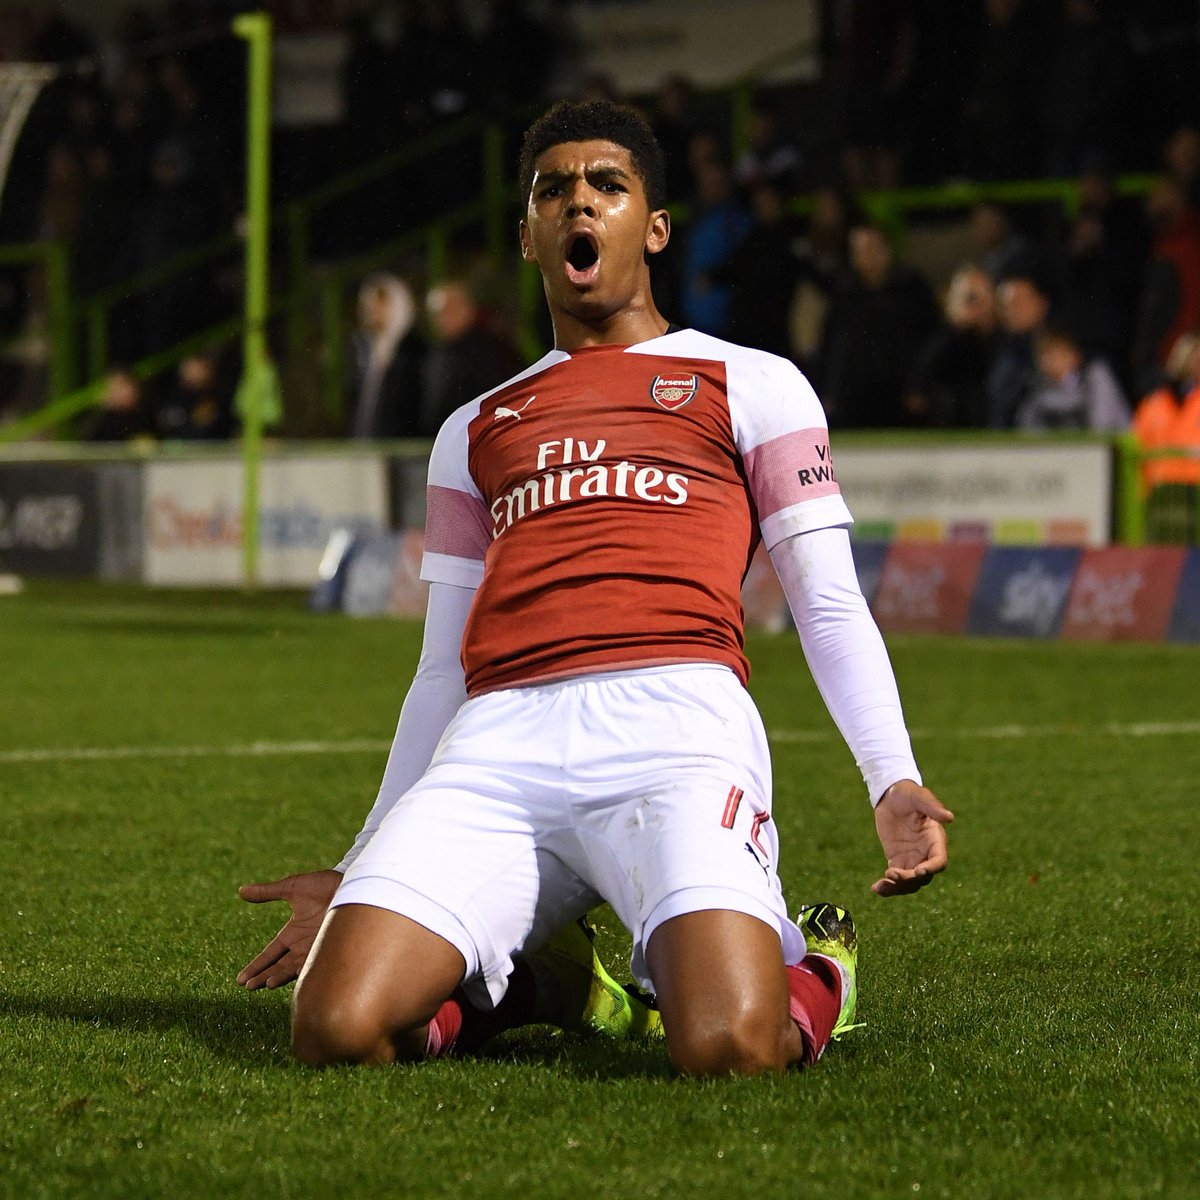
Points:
527	252
659	232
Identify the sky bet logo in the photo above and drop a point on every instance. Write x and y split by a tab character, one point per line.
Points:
822	473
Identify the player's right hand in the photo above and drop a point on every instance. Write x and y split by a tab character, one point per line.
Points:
308	896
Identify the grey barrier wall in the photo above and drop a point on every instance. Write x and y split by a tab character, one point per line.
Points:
122	520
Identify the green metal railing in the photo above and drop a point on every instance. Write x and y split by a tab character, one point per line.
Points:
1164	514
97	310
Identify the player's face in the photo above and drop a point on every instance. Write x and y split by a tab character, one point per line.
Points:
588	227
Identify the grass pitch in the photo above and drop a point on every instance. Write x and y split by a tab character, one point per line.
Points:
1032	1017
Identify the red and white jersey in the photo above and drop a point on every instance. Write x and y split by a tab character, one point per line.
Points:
606	503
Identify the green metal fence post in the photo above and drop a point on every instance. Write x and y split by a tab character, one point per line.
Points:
1129	505
257	377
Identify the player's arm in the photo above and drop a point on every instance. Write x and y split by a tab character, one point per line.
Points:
436	694
850	665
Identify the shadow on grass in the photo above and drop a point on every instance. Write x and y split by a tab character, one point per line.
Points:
245	1030
157	624
577	1056
238	1029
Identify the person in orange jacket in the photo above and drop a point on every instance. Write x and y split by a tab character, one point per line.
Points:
1169	418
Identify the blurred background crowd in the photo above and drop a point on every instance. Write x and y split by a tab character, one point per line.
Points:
1030	314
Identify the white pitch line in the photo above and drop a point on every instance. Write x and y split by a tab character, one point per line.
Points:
1137	729
252	750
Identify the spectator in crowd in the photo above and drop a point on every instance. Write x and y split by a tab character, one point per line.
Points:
948	388
467	356
100	253
673	119
375	96
187	121
389	354
135	132
762	274
64	196
875	328
1084	89
178	212
1181	161
872	51
999	248
521	50
123	414
772	156
1024	304
1001	115
1072	391
406	79
199	406
718	224
823	254
1170	296
451	65
1103	252
83	116
1168	418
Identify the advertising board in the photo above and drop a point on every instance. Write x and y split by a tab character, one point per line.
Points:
49	519
1004	493
1124	593
1022	591
193	516
927	587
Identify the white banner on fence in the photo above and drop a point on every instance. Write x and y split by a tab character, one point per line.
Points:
193	516
1025	494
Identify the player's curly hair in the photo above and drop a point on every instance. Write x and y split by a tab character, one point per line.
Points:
597	120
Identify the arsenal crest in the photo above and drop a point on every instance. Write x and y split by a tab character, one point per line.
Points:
673	391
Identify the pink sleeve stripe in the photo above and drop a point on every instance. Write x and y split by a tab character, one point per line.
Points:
455	523
790	469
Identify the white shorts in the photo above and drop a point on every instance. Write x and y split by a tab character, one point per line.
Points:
649	789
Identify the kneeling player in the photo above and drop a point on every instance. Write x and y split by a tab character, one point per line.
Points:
589	524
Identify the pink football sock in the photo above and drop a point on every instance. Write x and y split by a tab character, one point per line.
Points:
815	999
459	1027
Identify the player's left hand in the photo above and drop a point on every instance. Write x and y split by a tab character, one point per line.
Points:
910	821
308	895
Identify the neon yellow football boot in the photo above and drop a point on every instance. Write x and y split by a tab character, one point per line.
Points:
829	930
578	995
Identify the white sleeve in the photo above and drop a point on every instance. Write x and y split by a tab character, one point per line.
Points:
436	694
846	654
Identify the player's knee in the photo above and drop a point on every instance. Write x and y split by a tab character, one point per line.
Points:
332	1033
746	1043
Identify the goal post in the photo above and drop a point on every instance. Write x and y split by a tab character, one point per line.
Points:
20	85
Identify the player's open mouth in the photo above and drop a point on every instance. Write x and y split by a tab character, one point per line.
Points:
583	258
